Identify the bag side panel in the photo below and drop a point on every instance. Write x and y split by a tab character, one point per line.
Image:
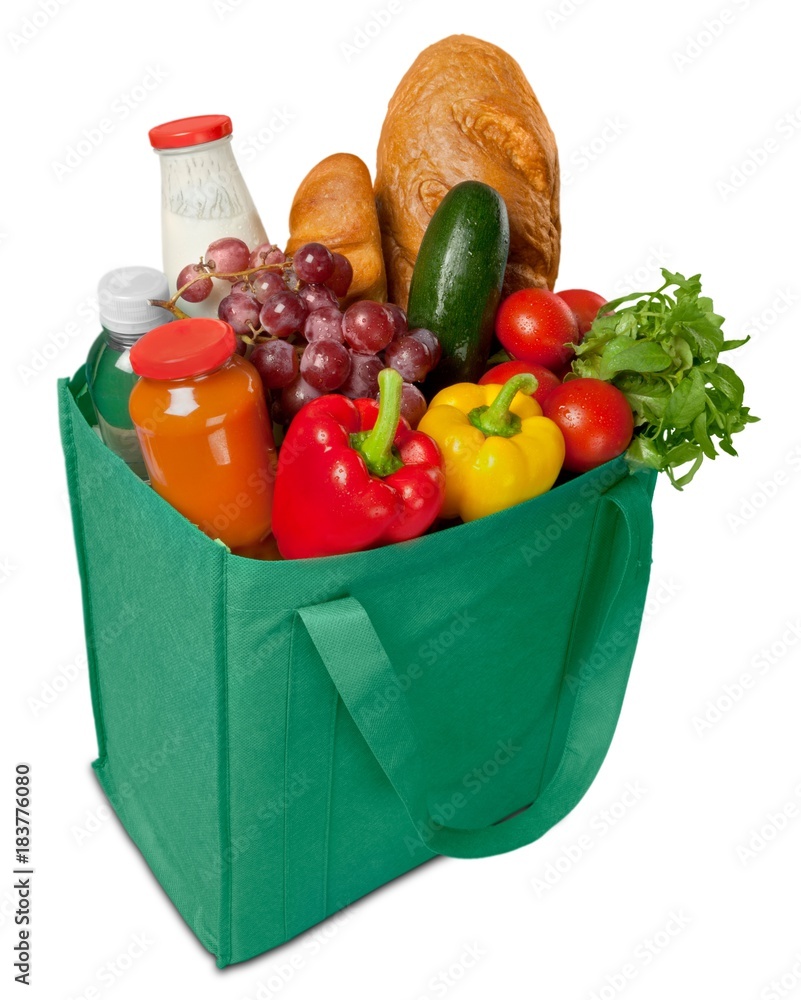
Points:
66	413
586	661
153	589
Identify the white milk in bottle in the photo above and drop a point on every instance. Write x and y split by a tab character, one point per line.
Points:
203	198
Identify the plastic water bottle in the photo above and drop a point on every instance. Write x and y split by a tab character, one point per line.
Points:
126	314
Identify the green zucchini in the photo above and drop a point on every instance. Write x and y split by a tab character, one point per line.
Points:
457	279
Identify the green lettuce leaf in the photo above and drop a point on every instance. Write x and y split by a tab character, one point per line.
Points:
661	350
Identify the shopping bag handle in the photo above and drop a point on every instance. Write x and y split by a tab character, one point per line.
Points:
358	665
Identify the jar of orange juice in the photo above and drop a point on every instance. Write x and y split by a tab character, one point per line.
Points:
202	422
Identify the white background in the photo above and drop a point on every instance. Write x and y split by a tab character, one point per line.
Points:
723	590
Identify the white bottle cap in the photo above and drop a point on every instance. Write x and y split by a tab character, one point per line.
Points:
123	297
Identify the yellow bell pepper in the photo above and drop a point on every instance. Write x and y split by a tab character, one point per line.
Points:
497	447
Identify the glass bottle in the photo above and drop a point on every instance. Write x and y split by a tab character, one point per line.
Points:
202	420
203	198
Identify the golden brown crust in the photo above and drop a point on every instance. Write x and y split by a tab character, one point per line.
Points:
334	205
465	111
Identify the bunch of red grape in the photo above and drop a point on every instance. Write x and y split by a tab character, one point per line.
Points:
304	344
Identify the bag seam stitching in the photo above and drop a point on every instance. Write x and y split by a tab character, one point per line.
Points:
224	782
334	711
287	737
75	494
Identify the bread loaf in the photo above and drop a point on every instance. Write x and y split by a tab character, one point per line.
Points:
334	205
465	111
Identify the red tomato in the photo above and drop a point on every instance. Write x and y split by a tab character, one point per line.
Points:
584	306
535	325
502	373
595	420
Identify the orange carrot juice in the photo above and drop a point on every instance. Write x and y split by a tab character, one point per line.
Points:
203	426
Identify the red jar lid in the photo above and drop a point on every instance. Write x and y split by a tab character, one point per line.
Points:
190	131
183	348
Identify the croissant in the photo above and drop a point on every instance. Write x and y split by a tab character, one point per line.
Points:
334	205
465	111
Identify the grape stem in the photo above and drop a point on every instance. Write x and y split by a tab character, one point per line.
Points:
171	304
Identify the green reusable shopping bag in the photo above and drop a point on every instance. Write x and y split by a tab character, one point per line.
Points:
280	738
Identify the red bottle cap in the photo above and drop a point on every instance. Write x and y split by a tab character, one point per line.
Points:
183	348
190	131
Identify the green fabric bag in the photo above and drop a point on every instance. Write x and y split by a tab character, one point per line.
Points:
280	738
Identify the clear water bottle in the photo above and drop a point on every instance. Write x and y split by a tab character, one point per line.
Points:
126	315
203	198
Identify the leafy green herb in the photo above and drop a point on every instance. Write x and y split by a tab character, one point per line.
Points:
662	352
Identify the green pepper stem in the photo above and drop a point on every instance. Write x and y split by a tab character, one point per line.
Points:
376	446
495	420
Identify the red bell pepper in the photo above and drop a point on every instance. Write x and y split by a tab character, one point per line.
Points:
354	475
